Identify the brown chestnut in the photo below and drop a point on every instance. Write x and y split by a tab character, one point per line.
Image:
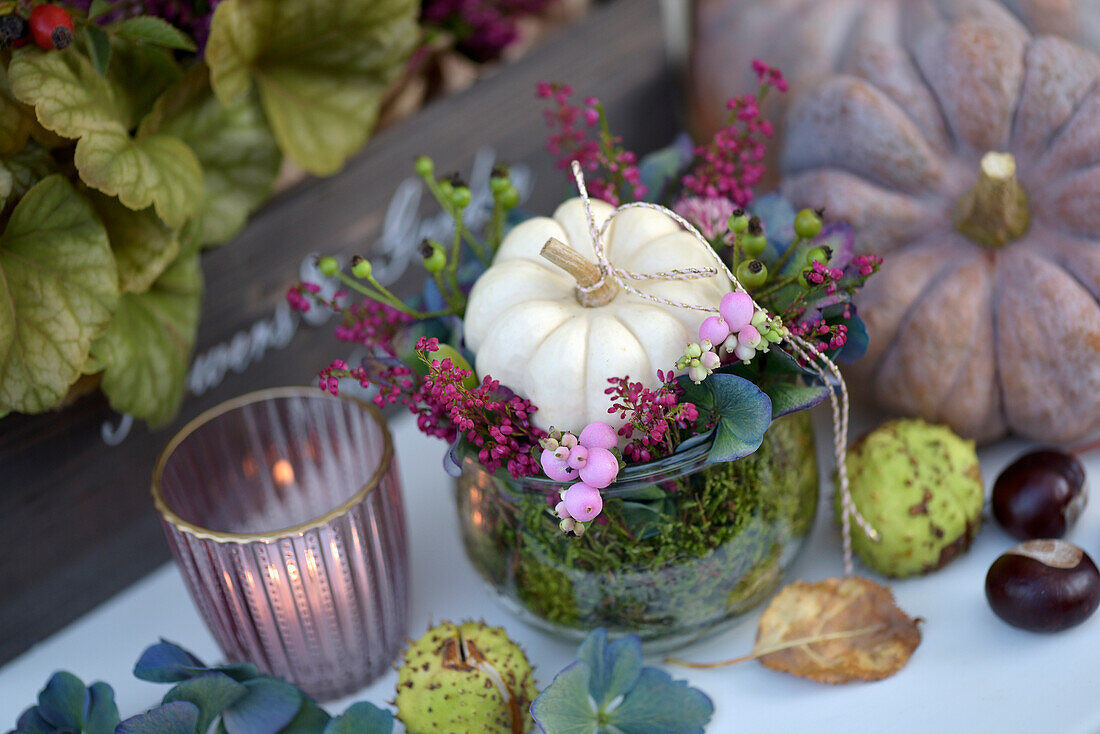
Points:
1040	495
1043	586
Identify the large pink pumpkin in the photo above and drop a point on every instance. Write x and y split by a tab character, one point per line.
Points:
813	39
997	330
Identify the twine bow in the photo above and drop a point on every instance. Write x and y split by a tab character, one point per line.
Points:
822	366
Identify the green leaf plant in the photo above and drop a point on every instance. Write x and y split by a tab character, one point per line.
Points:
126	153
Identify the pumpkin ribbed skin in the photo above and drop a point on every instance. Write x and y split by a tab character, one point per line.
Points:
810	40
528	330
988	340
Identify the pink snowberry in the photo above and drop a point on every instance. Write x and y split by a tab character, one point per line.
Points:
737	310
556	468
715	329
600	468
578	455
583	502
598	435
748	336
744	352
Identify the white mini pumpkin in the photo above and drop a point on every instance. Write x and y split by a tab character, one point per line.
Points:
529	330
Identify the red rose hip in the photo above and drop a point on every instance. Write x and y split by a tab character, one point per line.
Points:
1043	586
1040	495
51	27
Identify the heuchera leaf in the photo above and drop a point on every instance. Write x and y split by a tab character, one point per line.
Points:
361	718
178	717
63	701
144	246
58	292
158	31
212	693
102	715
269	706
607	690
71	99
145	351
99	47
16	118
742	410
22	170
238	155
321	67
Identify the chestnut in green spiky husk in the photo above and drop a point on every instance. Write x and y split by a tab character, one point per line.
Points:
920	487
467	677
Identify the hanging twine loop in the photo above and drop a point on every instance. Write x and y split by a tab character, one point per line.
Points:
825	369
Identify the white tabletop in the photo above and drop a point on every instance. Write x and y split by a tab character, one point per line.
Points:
971	673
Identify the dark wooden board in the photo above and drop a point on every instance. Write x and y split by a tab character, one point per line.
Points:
76	521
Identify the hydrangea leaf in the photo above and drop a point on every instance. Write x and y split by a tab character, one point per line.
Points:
102	715
269	706
31	722
144	246
743	412
657	704
311	719
788	397
16	119
322	68
167	662
63	701
22	170
212	693
74	101
361	718
238	155
563	707
615	667
146	349
178	717
58	291
607	690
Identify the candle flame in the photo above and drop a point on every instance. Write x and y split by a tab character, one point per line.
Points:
273	573
228	580
311	562
477	518
283	472
292	571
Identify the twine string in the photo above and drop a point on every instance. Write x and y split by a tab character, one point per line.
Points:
825	369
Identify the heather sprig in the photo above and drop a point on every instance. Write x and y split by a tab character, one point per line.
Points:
619	179
730	164
657	421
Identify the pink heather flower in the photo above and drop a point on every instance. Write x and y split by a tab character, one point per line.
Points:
621	179
656	421
708	214
730	164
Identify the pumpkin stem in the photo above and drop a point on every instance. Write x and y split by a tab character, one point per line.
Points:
994	212
586	273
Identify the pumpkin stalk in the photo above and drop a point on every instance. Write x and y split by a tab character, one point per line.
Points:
994	212
586	273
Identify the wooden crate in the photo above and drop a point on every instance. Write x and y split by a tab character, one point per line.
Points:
76	521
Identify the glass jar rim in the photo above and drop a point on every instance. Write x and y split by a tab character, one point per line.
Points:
220	536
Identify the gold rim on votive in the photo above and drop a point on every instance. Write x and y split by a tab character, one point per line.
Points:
206	416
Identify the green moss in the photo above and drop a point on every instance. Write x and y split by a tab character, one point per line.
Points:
704	544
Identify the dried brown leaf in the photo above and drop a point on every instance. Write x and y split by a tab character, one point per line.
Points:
834	631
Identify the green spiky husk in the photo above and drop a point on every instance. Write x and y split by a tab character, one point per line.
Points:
920	487
438	693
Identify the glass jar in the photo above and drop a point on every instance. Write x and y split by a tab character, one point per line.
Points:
681	548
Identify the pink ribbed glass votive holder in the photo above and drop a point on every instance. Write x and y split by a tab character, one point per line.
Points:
283	509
